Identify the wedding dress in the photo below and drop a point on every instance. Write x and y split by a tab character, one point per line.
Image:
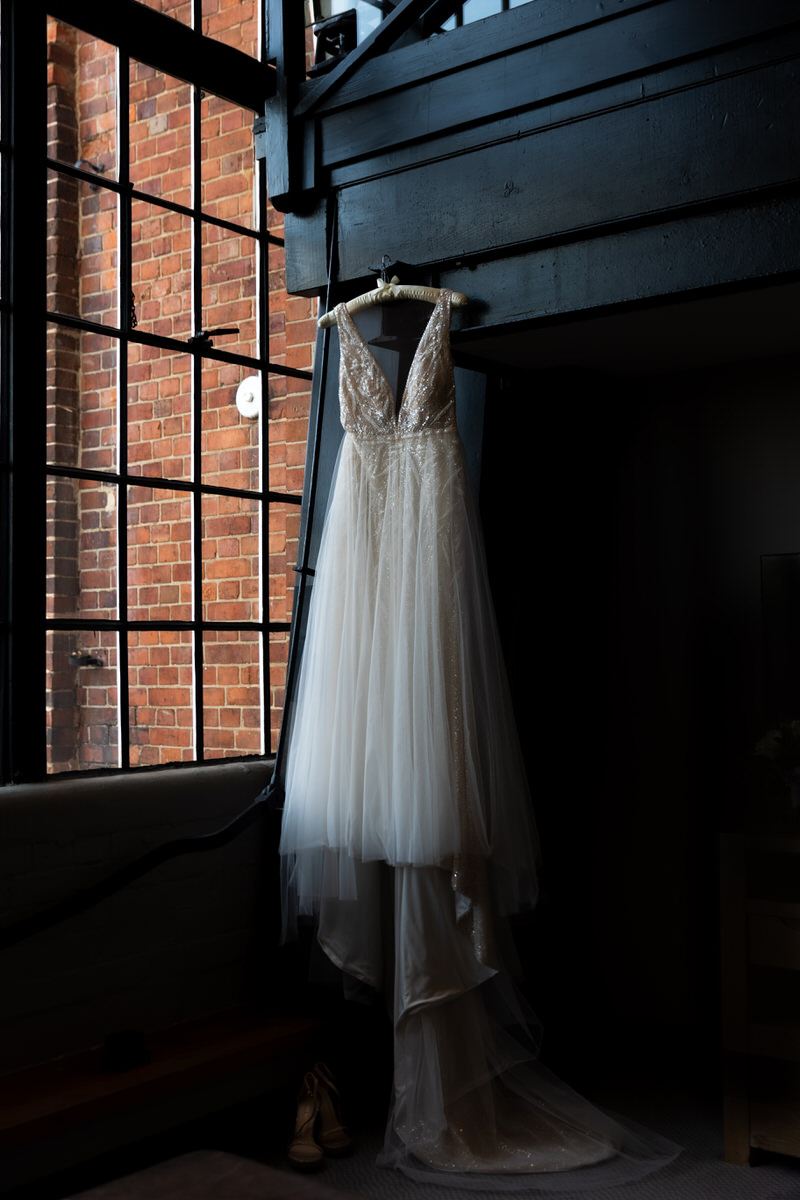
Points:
408	830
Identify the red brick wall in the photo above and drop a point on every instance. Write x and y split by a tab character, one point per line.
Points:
84	416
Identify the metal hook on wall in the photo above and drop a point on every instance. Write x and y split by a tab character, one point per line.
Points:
385	267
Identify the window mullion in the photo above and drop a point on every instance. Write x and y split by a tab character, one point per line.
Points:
262	284
197	421
27	216
126	319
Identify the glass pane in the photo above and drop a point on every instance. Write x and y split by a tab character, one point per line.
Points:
81	249
81	525
81	399
231	426
475	10
235	24
180	10
161	697
160	134
81	703
159	554
159	412
81	99
284	531
232	699
289	401
231	558
292	328
229	273
227	167
161	270
278	660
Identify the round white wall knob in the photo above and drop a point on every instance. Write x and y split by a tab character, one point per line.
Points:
248	396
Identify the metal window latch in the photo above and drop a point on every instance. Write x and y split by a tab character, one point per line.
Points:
203	337
81	658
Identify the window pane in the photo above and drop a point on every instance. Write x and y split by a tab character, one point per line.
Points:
278	659
159	412
284	531
159	554
161	270
81	516
227	162
81	399
231	438
180	10
161	697
81	249
232	694
160	134
289	401
229	266
235	24
81	100
292	328
475	10
81	701
231	558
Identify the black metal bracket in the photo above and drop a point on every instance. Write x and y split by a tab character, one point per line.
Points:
202	339
79	658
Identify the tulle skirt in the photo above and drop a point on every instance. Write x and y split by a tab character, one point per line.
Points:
472	1107
402	746
408	829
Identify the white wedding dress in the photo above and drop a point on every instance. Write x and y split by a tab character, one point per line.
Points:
408	830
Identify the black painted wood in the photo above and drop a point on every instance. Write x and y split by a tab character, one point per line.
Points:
306	234
462	48
443	89
405	13
568	156
727	138
723	251
620	92
162	42
284	138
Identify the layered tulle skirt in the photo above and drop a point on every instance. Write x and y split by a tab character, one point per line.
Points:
408	830
403	746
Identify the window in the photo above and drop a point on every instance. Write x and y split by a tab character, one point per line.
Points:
440	15
175	403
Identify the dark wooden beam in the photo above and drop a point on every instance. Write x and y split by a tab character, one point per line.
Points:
435	101
639	33
637	164
290	154
169	45
757	243
381	39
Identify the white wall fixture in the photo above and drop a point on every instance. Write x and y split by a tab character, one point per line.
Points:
248	396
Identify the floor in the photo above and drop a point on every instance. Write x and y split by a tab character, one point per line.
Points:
241	1154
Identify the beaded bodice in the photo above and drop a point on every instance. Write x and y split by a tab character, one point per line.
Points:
367	403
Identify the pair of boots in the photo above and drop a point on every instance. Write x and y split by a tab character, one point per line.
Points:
318	1126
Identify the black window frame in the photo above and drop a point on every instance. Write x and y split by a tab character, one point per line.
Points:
140	34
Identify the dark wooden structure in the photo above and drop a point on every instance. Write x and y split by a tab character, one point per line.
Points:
617	189
555	159
761	958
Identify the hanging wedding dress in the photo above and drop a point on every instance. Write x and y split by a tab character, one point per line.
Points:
408	829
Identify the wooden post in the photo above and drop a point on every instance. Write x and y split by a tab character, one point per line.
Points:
734	998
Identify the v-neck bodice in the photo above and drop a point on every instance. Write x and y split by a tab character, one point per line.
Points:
367	402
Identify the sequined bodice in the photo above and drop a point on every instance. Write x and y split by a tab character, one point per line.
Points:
367	403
